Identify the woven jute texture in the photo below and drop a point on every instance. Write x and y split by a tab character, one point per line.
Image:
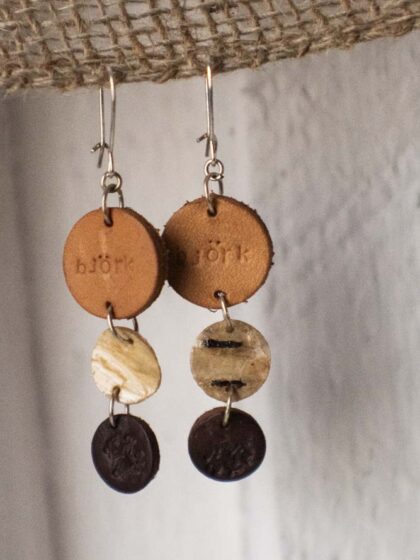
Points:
67	44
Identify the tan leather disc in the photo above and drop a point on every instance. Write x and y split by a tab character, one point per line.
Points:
230	252
123	264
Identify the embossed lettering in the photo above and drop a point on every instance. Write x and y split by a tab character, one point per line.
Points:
130	264
215	254
93	268
212	254
117	264
104	265
196	258
80	267
224	253
242	253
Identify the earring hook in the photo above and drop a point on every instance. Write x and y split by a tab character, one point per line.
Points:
209	136
102	145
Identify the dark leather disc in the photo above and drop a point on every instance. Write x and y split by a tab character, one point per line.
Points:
127	456
226	453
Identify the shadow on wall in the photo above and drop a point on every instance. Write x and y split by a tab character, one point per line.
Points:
341	298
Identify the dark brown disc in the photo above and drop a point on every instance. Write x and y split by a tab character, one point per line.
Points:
126	456
226	453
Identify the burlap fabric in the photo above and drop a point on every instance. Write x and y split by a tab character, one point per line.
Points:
68	44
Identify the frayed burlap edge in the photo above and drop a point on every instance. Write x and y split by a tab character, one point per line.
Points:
70	44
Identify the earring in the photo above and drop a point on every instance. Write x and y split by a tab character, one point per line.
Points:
114	266
220	253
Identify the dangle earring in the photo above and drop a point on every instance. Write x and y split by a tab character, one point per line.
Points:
115	266
220	253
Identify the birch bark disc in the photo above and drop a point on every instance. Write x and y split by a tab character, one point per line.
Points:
130	366
221	359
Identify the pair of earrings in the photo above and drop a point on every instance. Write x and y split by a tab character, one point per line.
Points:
215	252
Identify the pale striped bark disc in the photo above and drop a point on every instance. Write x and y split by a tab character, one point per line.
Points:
130	366
222	359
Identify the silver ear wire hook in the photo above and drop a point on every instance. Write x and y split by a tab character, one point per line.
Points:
102	145
111	181
213	168
209	136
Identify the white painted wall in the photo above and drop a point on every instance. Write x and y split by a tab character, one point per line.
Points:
327	149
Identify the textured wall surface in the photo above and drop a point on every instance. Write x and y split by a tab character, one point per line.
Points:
327	150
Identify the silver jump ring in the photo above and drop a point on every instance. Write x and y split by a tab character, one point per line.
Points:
214	163
105	208
228	408
210	194
223	303
114	397
213	176
116	183
110	319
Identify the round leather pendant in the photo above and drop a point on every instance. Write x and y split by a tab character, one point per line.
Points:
226	453
123	264
127	456
229	252
239	359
